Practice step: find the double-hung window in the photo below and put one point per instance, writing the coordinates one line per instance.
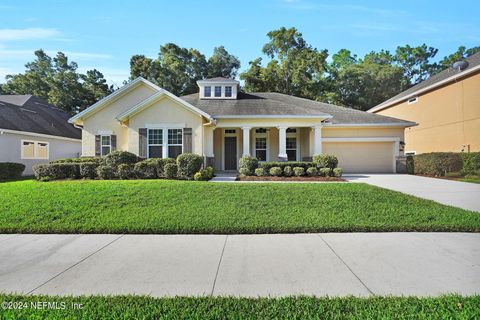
(218, 91)
(207, 91)
(105, 144)
(228, 91)
(34, 150)
(291, 144)
(163, 143)
(261, 144)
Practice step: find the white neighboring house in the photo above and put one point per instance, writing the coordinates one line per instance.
(33, 131)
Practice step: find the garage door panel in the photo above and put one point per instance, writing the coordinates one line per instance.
(362, 157)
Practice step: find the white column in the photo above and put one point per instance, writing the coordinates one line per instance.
(208, 152)
(282, 144)
(317, 140)
(246, 141)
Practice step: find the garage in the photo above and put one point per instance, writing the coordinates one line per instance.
(363, 157)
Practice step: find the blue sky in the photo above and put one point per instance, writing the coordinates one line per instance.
(105, 34)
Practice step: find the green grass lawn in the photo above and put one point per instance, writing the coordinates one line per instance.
(472, 179)
(162, 206)
(138, 307)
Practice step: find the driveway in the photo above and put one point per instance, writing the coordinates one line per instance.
(453, 193)
(334, 264)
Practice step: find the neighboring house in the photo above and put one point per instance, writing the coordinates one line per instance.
(33, 132)
(446, 107)
(222, 124)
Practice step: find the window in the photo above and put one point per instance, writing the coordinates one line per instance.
(228, 91)
(218, 91)
(207, 91)
(34, 150)
(175, 145)
(164, 143)
(261, 144)
(155, 143)
(291, 144)
(232, 131)
(413, 100)
(105, 145)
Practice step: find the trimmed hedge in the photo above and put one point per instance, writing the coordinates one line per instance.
(268, 165)
(471, 163)
(11, 170)
(188, 164)
(125, 171)
(204, 174)
(249, 163)
(260, 172)
(275, 171)
(325, 161)
(56, 171)
(146, 169)
(171, 171)
(325, 172)
(105, 172)
(312, 172)
(78, 160)
(437, 163)
(299, 171)
(88, 170)
(117, 158)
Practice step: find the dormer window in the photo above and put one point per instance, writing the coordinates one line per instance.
(218, 91)
(207, 91)
(228, 91)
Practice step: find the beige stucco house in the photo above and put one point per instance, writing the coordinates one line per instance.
(446, 108)
(222, 124)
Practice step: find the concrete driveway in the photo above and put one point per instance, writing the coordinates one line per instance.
(335, 264)
(453, 193)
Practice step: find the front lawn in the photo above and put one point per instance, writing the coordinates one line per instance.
(138, 307)
(163, 206)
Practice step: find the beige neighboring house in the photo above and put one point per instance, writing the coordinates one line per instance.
(446, 107)
(33, 131)
(222, 124)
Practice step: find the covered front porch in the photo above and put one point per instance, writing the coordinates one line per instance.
(266, 143)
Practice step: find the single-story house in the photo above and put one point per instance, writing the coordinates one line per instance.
(446, 107)
(33, 131)
(222, 124)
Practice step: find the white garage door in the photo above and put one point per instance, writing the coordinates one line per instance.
(362, 157)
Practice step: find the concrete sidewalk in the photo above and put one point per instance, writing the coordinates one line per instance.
(334, 264)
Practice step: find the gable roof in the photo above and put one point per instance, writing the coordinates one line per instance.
(433, 82)
(32, 114)
(103, 102)
(278, 104)
(217, 79)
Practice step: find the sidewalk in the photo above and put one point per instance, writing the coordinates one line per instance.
(359, 264)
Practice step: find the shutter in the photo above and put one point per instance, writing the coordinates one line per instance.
(97, 146)
(113, 141)
(187, 140)
(142, 143)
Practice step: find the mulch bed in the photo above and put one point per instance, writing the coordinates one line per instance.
(269, 178)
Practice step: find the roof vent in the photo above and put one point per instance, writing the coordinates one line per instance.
(460, 65)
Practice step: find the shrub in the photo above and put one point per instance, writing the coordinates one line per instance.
(312, 172)
(287, 171)
(125, 171)
(204, 174)
(118, 157)
(249, 163)
(56, 171)
(275, 171)
(410, 165)
(324, 172)
(146, 169)
(325, 161)
(268, 165)
(160, 164)
(437, 163)
(105, 172)
(188, 164)
(88, 170)
(198, 176)
(78, 160)
(245, 172)
(171, 171)
(11, 170)
(471, 162)
(260, 172)
(299, 171)
(338, 172)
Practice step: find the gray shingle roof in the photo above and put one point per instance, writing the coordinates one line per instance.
(473, 61)
(219, 79)
(272, 103)
(32, 114)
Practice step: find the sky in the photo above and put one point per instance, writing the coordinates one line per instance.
(104, 34)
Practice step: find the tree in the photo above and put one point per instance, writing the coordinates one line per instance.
(415, 62)
(461, 54)
(295, 67)
(222, 64)
(58, 82)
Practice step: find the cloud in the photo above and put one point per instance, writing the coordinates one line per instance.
(28, 34)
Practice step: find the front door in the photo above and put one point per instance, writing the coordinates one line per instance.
(230, 153)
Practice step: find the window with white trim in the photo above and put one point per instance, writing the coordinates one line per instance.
(105, 144)
(155, 143)
(228, 91)
(218, 91)
(291, 144)
(207, 91)
(175, 142)
(34, 150)
(261, 144)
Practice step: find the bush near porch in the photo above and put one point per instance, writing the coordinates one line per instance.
(124, 165)
(324, 165)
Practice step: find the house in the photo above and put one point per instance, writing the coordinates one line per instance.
(33, 131)
(222, 124)
(446, 108)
